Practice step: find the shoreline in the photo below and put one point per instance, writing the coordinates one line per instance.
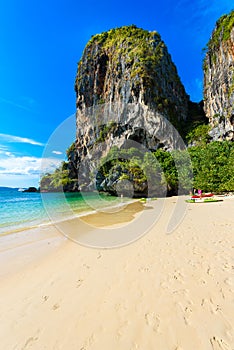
(44, 236)
(48, 221)
(164, 291)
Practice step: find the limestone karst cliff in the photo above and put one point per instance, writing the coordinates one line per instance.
(219, 79)
(130, 65)
(127, 88)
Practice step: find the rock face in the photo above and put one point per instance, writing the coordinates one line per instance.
(127, 89)
(130, 65)
(219, 79)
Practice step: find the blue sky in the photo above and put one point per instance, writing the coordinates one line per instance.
(41, 43)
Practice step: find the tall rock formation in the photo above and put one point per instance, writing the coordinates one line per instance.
(127, 88)
(130, 65)
(219, 79)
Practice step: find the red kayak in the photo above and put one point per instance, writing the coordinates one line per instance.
(202, 196)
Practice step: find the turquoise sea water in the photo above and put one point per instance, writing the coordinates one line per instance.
(20, 210)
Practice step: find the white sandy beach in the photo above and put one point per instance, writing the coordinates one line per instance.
(162, 292)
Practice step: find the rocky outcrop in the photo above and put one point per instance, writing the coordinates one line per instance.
(31, 189)
(219, 79)
(128, 90)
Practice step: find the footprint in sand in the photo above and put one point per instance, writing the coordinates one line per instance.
(186, 312)
(89, 341)
(213, 307)
(79, 283)
(178, 276)
(210, 305)
(208, 271)
(56, 306)
(153, 321)
(122, 329)
(202, 281)
(222, 293)
(229, 267)
(219, 344)
(229, 281)
(86, 266)
(29, 342)
(144, 269)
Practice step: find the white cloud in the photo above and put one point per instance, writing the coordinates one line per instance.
(3, 148)
(18, 139)
(8, 154)
(25, 171)
(57, 152)
(4, 151)
(29, 166)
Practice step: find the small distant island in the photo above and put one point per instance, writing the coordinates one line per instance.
(31, 189)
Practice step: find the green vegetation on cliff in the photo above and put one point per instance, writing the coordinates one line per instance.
(212, 170)
(222, 31)
(56, 181)
(199, 135)
(128, 65)
(140, 48)
(218, 86)
(213, 166)
(129, 61)
(136, 44)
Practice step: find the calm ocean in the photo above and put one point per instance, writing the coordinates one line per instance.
(20, 210)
